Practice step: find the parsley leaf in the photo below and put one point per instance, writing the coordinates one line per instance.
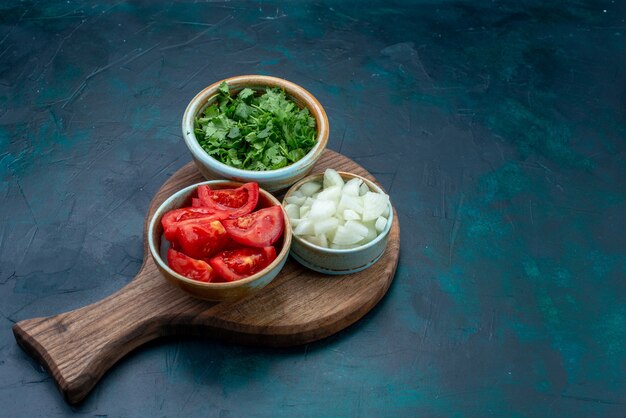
(255, 131)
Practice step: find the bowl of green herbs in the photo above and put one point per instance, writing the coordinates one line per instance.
(255, 128)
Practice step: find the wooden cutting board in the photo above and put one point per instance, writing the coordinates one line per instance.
(298, 307)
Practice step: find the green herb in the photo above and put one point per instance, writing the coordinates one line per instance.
(255, 132)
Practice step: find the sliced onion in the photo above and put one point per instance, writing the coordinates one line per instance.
(332, 193)
(371, 234)
(356, 227)
(304, 211)
(319, 240)
(325, 226)
(336, 214)
(332, 178)
(343, 236)
(350, 215)
(322, 209)
(381, 223)
(351, 202)
(371, 231)
(293, 210)
(296, 200)
(374, 205)
(310, 188)
(305, 227)
(352, 187)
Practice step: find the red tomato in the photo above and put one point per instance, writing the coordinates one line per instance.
(173, 218)
(234, 202)
(200, 238)
(191, 268)
(257, 229)
(196, 203)
(237, 264)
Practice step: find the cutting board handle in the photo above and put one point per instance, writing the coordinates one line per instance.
(79, 346)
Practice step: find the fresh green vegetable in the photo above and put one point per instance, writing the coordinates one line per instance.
(255, 132)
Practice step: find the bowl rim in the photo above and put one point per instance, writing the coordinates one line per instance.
(373, 186)
(158, 215)
(294, 90)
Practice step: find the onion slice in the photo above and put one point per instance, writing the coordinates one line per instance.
(337, 214)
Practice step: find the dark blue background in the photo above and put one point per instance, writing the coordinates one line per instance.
(498, 128)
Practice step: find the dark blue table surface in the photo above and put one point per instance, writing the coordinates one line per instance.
(498, 129)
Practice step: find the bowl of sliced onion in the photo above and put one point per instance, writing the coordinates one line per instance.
(340, 222)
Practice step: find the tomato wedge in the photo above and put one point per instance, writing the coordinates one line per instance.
(173, 218)
(257, 229)
(238, 264)
(233, 202)
(200, 238)
(189, 267)
(196, 203)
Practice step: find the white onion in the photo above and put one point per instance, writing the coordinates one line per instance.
(371, 234)
(338, 214)
(309, 188)
(350, 215)
(343, 236)
(323, 241)
(319, 240)
(324, 226)
(322, 209)
(374, 205)
(352, 187)
(381, 223)
(333, 194)
(293, 210)
(332, 178)
(356, 227)
(305, 227)
(296, 200)
(351, 202)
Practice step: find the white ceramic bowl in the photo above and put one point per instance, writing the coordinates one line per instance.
(216, 291)
(272, 180)
(332, 261)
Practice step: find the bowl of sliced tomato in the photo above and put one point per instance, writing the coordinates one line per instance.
(220, 240)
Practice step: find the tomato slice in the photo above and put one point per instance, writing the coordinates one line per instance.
(234, 202)
(200, 238)
(238, 264)
(173, 218)
(189, 267)
(196, 203)
(257, 229)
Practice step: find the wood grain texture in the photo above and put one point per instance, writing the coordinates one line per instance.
(298, 307)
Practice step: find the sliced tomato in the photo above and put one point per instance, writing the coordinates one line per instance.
(200, 238)
(234, 202)
(257, 229)
(189, 267)
(196, 203)
(173, 218)
(238, 264)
